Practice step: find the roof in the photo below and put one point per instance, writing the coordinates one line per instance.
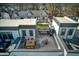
(14, 23)
(34, 12)
(65, 21)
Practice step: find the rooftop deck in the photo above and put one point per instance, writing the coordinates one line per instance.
(51, 46)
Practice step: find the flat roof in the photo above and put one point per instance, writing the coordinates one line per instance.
(17, 22)
(51, 46)
(65, 22)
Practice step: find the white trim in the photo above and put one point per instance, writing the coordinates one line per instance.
(66, 36)
(27, 33)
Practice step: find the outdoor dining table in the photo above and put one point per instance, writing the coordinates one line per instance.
(30, 43)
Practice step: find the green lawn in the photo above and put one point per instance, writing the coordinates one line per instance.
(42, 26)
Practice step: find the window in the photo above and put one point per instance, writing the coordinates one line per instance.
(63, 31)
(23, 33)
(70, 32)
(10, 36)
(6, 35)
(0, 14)
(31, 32)
(0, 36)
(34, 17)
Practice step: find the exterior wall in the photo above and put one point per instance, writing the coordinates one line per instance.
(78, 26)
(56, 26)
(58, 30)
(14, 33)
(27, 33)
(4, 54)
(67, 29)
(36, 53)
(73, 53)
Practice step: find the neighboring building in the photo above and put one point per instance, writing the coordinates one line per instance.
(40, 15)
(17, 28)
(65, 27)
(15, 15)
(5, 15)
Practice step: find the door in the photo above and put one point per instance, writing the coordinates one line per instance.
(23, 32)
